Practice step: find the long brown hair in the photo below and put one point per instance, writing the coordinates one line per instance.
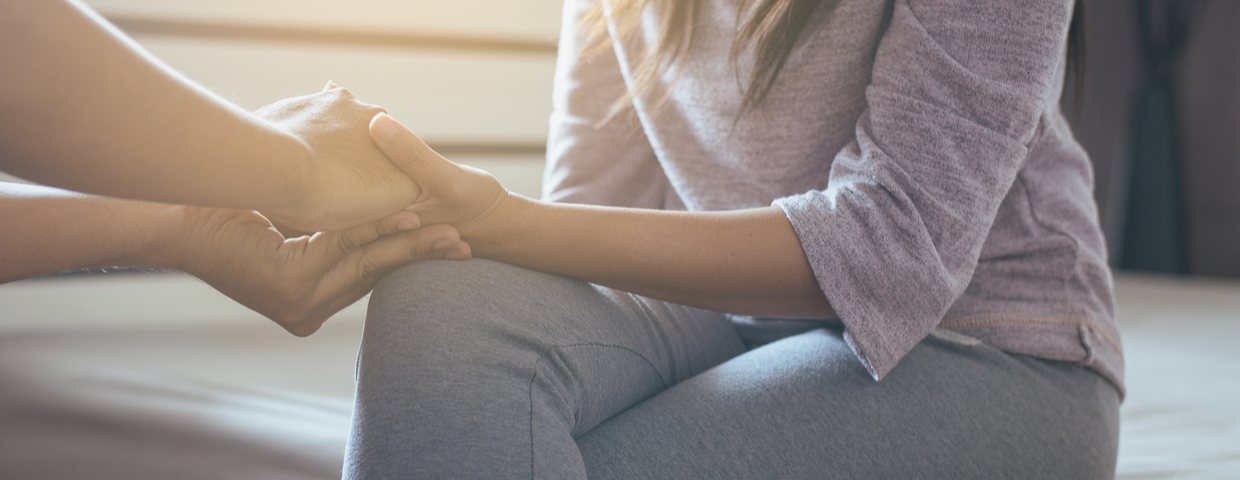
(772, 28)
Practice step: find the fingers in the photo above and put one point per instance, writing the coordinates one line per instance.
(404, 149)
(342, 242)
(287, 231)
(356, 274)
(460, 251)
(345, 94)
(380, 256)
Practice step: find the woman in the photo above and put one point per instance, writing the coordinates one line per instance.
(901, 166)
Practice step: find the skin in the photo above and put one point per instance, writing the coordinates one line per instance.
(90, 111)
(745, 261)
(297, 282)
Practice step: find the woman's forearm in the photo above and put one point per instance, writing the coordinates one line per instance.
(84, 108)
(48, 230)
(297, 282)
(745, 262)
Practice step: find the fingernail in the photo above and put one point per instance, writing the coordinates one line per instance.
(383, 127)
(442, 244)
(409, 224)
(457, 255)
(411, 208)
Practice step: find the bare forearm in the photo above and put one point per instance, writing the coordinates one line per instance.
(746, 262)
(47, 230)
(85, 109)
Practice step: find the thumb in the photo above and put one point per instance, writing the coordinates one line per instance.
(404, 149)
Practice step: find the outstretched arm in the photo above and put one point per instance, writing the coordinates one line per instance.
(297, 282)
(84, 108)
(745, 261)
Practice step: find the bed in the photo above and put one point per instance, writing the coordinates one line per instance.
(224, 395)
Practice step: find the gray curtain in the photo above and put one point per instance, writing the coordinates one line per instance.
(1206, 124)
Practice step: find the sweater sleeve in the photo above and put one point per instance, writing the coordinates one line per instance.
(955, 95)
(592, 159)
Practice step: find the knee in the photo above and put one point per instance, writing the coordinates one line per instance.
(438, 282)
(436, 291)
(450, 284)
(461, 304)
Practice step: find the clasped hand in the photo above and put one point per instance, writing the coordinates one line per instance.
(300, 280)
(361, 174)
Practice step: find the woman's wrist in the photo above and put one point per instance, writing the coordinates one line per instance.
(500, 229)
(167, 233)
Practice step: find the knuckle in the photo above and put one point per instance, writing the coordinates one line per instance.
(442, 230)
(379, 229)
(371, 109)
(367, 266)
(349, 241)
(413, 151)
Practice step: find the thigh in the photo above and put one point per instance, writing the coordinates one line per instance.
(479, 369)
(804, 407)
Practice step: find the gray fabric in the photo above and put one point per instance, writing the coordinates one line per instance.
(479, 369)
(916, 146)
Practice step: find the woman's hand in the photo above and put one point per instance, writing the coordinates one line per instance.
(350, 179)
(300, 282)
(465, 197)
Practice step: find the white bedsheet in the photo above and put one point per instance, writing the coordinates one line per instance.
(1181, 418)
(246, 400)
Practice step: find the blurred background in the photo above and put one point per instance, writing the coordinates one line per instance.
(1158, 110)
(1159, 114)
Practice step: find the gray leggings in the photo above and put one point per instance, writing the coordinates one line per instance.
(479, 369)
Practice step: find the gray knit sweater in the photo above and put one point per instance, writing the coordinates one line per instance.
(916, 146)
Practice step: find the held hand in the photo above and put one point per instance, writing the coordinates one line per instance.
(465, 197)
(351, 181)
(300, 282)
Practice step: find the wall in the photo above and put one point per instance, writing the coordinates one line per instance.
(472, 77)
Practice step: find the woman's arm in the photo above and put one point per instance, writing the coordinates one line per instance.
(297, 282)
(83, 107)
(747, 261)
(47, 230)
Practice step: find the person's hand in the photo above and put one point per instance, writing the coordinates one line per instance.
(300, 282)
(465, 197)
(351, 181)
